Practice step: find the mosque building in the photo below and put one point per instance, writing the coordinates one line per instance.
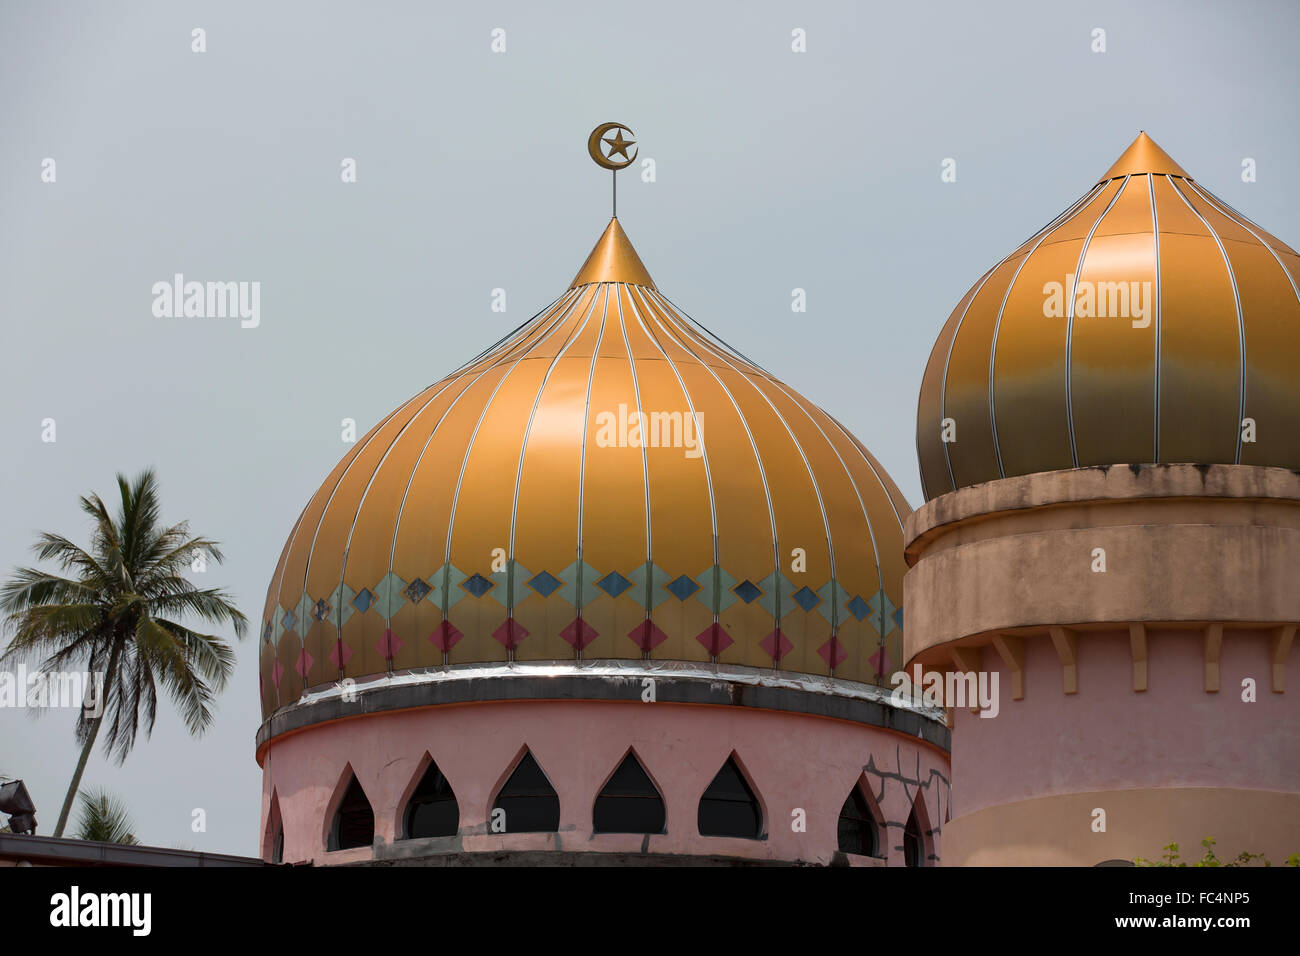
(611, 593)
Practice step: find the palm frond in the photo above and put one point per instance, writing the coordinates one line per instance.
(170, 661)
(104, 818)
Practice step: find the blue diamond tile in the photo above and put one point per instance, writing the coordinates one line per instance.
(266, 633)
(613, 584)
(682, 587)
(898, 618)
(806, 598)
(747, 591)
(416, 590)
(859, 608)
(289, 620)
(321, 608)
(544, 583)
(365, 597)
(477, 585)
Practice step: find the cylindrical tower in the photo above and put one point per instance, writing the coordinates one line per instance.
(608, 592)
(1108, 429)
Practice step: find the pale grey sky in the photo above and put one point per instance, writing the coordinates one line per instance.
(775, 170)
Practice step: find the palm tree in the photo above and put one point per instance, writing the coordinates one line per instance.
(104, 818)
(115, 609)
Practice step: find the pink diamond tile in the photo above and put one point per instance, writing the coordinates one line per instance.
(510, 634)
(277, 671)
(389, 644)
(647, 636)
(340, 655)
(777, 645)
(715, 639)
(303, 664)
(880, 661)
(579, 633)
(833, 652)
(445, 636)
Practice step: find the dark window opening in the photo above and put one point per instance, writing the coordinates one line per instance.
(629, 802)
(913, 842)
(277, 846)
(432, 810)
(857, 827)
(530, 803)
(354, 821)
(729, 807)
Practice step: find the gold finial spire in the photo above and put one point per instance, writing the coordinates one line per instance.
(613, 260)
(1144, 156)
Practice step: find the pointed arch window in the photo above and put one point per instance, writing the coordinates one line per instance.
(858, 830)
(530, 803)
(432, 810)
(354, 820)
(913, 840)
(729, 807)
(274, 846)
(629, 802)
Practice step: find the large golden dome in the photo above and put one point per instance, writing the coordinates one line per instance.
(512, 511)
(1144, 324)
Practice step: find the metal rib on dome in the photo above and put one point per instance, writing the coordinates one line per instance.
(509, 513)
(1144, 324)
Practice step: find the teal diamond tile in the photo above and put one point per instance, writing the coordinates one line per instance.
(770, 585)
(877, 599)
(341, 605)
(277, 624)
(832, 606)
(724, 596)
(569, 589)
(303, 613)
(518, 576)
(658, 578)
(447, 578)
(389, 596)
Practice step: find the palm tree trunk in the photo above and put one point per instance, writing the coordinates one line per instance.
(76, 778)
(109, 676)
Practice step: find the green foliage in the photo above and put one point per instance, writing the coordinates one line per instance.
(104, 818)
(1172, 857)
(115, 609)
(119, 602)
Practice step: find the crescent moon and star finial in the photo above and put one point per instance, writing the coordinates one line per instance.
(617, 146)
(607, 158)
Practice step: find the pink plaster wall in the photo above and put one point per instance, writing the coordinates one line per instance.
(1109, 737)
(793, 761)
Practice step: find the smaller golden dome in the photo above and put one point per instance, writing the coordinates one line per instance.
(1149, 322)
